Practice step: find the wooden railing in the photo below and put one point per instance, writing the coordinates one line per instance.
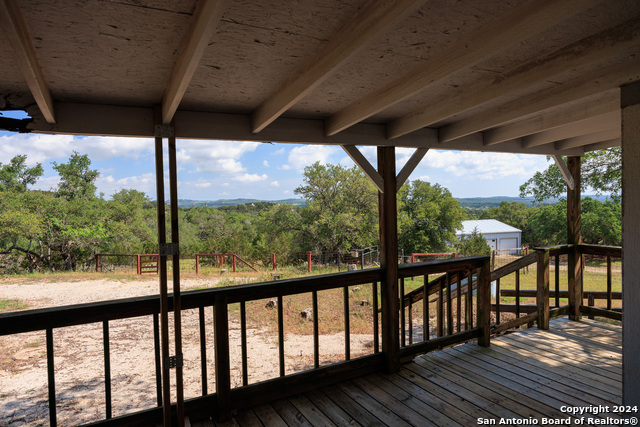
(453, 324)
(226, 398)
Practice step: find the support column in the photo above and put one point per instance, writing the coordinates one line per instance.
(162, 273)
(574, 265)
(389, 258)
(630, 103)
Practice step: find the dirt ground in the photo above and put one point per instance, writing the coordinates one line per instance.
(79, 360)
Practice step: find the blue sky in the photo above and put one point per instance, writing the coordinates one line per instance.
(212, 170)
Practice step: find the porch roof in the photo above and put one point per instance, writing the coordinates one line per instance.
(521, 76)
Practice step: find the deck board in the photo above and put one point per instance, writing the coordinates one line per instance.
(525, 374)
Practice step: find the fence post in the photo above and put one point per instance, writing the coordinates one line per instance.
(309, 262)
(542, 295)
(484, 304)
(138, 269)
(234, 263)
(97, 263)
(273, 261)
(197, 264)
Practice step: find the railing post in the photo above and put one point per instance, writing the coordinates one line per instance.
(389, 260)
(234, 262)
(222, 363)
(542, 295)
(484, 303)
(97, 263)
(574, 267)
(309, 262)
(197, 264)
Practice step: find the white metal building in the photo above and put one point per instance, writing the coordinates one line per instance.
(498, 235)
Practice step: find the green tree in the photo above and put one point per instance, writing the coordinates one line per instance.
(601, 170)
(428, 217)
(341, 211)
(77, 181)
(601, 223)
(473, 244)
(16, 176)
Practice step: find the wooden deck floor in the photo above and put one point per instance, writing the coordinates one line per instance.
(526, 374)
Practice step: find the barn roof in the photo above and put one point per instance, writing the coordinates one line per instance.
(486, 226)
(537, 76)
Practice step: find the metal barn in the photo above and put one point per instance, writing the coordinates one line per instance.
(499, 236)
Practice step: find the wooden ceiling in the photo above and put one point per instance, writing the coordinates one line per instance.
(509, 76)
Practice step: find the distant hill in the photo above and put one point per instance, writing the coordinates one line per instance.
(479, 203)
(186, 203)
(491, 202)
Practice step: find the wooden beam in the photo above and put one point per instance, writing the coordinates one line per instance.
(592, 84)
(364, 164)
(603, 145)
(588, 109)
(582, 127)
(375, 18)
(203, 24)
(592, 138)
(564, 170)
(607, 44)
(119, 120)
(509, 29)
(410, 166)
(15, 28)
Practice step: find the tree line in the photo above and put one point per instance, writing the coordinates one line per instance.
(63, 229)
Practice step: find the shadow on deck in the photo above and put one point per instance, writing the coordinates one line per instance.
(527, 374)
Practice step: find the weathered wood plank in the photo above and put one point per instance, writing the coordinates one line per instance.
(351, 407)
(528, 406)
(436, 411)
(290, 414)
(569, 374)
(519, 380)
(269, 416)
(381, 391)
(553, 384)
(465, 400)
(310, 411)
(377, 409)
(330, 409)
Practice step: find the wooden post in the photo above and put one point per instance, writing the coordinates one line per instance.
(197, 264)
(309, 264)
(162, 273)
(177, 299)
(542, 295)
(234, 263)
(389, 258)
(630, 103)
(484, 303)
(97, 263)
(573, 238)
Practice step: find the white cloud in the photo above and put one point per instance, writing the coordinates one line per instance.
(265, 163)
(275, 184)
(145, 183)
(250, 177)
(482, 165)
(306, 155)
(214, 156)
(202, 184)
(43, 148)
